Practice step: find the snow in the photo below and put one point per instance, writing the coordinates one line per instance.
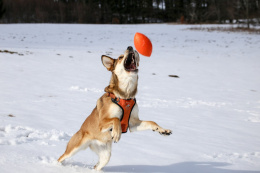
(52, 84)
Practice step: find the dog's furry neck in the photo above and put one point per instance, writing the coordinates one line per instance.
(124, 87)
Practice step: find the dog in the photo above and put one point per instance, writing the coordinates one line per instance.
(116, 111)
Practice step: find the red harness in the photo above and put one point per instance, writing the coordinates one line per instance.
(127, 107)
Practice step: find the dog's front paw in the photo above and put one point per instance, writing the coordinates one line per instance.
(116, 135)
(165, 132)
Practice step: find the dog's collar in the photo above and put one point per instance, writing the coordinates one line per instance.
(117, 99)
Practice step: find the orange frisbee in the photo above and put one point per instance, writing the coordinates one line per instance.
(143, 44)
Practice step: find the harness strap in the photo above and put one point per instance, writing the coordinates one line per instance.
(126, 106)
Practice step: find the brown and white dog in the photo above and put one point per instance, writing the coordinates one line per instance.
(103, 125)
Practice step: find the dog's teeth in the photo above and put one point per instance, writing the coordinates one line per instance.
(133, 60)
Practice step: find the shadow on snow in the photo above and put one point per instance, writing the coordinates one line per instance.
(189, 167)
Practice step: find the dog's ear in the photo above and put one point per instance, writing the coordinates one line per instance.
(108, 62)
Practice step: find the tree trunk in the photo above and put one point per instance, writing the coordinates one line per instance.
(247, 17)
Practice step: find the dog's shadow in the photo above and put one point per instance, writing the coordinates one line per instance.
(184, 167)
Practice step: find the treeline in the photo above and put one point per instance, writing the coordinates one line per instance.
(127, 11)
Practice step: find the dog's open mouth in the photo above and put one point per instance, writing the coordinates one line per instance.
(130, 63)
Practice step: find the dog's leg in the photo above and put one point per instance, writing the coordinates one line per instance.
(114, 125)
(135, 124)
(139, 125)
(77, 142)
(104, 152)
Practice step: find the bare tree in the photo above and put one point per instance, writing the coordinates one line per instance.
(128, 11)
(2, 9)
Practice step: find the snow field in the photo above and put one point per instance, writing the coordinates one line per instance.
(213, 107)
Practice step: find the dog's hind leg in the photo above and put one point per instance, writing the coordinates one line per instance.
(77, 142)
(104, 153)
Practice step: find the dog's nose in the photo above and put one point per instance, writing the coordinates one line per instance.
(130, 48)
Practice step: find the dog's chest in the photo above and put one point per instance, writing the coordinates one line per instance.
(115, 111)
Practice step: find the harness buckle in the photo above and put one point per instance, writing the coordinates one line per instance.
(115, 100)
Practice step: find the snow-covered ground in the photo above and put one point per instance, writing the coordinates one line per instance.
(52, 83)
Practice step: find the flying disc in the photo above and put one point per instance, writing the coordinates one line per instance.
(143, 44)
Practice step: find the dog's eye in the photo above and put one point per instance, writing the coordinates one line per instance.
(121, 57)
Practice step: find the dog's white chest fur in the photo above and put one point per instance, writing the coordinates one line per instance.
(115, 111)
(128, 83)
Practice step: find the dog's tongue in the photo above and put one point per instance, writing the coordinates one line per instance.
(132, 66)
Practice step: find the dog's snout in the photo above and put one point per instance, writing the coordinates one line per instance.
(130, 48)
